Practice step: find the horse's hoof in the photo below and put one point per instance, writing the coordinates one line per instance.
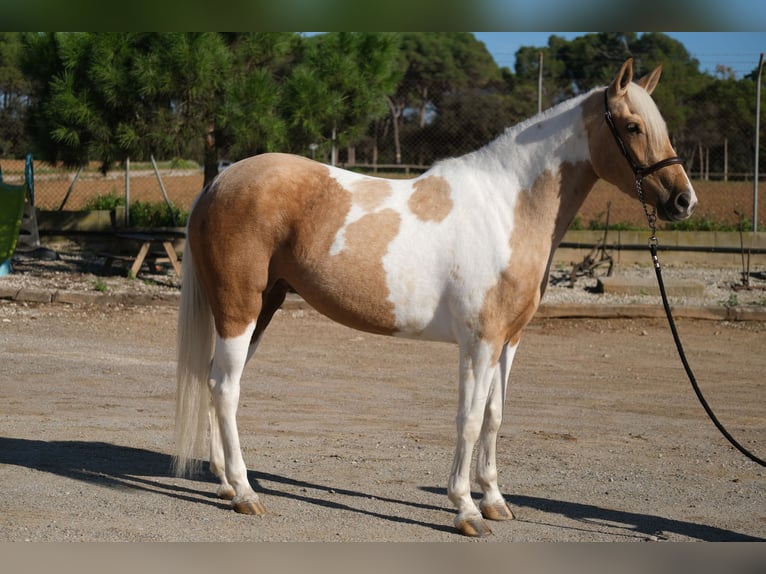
(255, 507)
(473, 526)
(497, 511)
(226, 492)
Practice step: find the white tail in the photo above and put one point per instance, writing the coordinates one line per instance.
(195, 347)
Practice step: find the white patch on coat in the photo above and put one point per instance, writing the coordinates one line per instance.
(428, 292)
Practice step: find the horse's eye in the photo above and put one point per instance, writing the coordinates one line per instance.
(633, 128)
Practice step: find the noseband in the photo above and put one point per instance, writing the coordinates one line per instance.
(639, 171)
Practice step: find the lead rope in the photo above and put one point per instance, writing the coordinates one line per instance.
(651, 217)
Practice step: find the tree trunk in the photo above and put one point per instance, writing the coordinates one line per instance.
(211, 156)
(423, 105)
(395, 122)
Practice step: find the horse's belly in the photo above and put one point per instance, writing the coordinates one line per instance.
(362, 301)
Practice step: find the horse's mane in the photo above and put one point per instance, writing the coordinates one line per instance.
(640, 101)
(654, 124)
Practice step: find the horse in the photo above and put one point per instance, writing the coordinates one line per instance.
(459, 254)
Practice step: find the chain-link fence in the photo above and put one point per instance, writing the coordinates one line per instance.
(77, 189)
(725, 163)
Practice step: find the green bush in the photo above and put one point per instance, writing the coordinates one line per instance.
(142, 213)
(180, 163)
(598, 225)
(692, 224)
(107, 202)
(576, 224)
(705, 224)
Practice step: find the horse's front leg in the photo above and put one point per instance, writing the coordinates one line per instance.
(493, 505)
(228, 363)
(476, 374)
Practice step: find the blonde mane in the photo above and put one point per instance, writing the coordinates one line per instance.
(643, 104)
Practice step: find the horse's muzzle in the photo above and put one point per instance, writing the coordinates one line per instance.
(679, 207)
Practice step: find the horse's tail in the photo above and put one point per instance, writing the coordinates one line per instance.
(195, 347)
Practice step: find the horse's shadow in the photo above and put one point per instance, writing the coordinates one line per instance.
(116, 466)
(125, 467)
(632, 523)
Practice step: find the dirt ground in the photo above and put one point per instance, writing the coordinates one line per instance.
(350, 436)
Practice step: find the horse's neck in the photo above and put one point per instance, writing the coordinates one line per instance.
(544, 162)
(544, 141)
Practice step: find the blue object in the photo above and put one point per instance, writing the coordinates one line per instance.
(5, 267)
(12, 199)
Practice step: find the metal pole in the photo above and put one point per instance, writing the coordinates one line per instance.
(164, 192)
(127, 192)
(71, 188)
(539, 82)
(333, 151)
(757, 130)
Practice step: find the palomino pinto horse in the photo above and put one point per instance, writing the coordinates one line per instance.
(459, 254)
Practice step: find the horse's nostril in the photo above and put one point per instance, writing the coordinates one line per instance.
(683, 201)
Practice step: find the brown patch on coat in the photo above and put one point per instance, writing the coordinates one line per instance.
(350, 286)
(369, 194)
(542, 215)
(431, 199)
(274, 217)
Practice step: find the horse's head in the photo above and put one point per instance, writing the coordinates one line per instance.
(630, 147)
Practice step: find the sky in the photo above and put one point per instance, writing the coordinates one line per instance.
(738, 50)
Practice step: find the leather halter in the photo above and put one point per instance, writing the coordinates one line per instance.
(639, 171)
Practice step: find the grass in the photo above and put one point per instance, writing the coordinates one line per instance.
(691, 224)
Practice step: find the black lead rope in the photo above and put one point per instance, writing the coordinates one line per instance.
(687, 368)
(651, 216)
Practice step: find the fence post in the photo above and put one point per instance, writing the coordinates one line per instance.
(757, 129)
(127, 192)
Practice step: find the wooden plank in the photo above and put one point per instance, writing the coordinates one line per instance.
(140, 258)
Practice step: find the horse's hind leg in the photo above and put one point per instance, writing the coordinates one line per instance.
(228, 364)
(217, 461)
(493, 505)
(272, 300)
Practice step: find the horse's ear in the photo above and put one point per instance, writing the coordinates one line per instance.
(650, 81)
(623, 79)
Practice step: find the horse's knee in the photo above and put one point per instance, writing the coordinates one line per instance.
(469, 426)
(493, 417)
